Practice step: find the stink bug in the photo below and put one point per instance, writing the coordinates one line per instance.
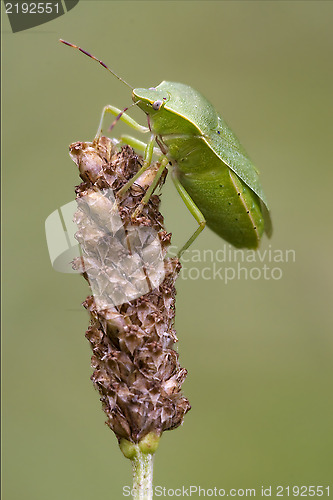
(211, 170)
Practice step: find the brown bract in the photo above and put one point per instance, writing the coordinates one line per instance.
(136, 369)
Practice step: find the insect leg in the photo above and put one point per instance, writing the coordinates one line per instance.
(146, 164)
(123, 117)
(136, 144)
(151, 188)
(133, 142)
(194, 211)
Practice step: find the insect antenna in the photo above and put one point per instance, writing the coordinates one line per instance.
(98, 60)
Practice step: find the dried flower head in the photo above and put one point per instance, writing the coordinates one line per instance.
(132, 306)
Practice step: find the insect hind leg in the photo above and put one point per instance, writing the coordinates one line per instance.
(194, 211)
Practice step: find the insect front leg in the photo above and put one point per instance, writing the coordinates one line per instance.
(133, 142)
(146, 164)
(194, 211)
(120, 115)
(136, 144)
(151, 188)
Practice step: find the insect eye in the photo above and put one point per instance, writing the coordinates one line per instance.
(157, 105)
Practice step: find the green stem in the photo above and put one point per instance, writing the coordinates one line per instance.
(141, 456)
(142, 476)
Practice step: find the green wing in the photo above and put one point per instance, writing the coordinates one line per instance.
(227, 147)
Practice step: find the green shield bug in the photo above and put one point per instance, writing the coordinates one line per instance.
(211, 170)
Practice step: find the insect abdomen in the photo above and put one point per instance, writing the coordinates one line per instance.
(230, 208)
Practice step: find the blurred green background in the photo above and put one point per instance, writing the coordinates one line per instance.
(258, 352)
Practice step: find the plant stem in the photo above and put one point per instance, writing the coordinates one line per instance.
(143, 476)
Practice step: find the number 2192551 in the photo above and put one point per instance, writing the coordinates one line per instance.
(32, 8)
(302, 491)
